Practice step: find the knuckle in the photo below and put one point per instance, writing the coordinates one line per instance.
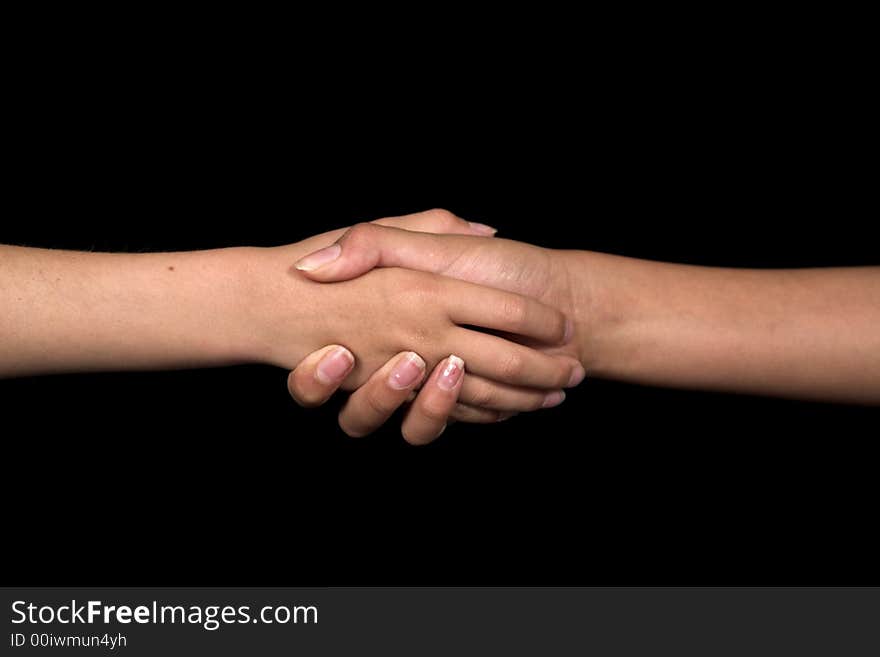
(444, 217)
(360, 233)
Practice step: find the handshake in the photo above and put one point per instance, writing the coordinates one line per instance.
(434, 311)
(437, 312)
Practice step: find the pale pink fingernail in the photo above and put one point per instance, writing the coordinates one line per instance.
(319, 258)
(407, 372)
(578, 374)
(569, 331)
(555, 398)
(451, 374)
(482, 229)
(506, 416)
(334, 366)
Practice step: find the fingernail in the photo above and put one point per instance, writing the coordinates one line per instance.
(451, 374)
(569, 331)
(407, 372)
(506, 416)
(577, 375)
(555, 398)
(334, 366)
(482, 229)
(319, 258)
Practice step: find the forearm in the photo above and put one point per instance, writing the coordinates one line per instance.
(810, 333)
(70, 311)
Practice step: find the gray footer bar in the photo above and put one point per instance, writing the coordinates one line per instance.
(443, 621)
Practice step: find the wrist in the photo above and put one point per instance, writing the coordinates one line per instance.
(233, 323)
(599, 308)
(278, 308)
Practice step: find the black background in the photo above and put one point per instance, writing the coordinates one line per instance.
(740, 149)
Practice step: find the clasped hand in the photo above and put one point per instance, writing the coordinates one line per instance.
(485, 322)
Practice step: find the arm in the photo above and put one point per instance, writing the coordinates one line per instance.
(808, 333)
(71, 311)
(67, 311)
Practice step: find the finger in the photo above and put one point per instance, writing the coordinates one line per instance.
(370, 406)
(437, 221)
(472, 415)
(505, 311)
(319, 374)
(500, 360)
(479, 392)
(366, 246)
(433, 221)
(429, 413)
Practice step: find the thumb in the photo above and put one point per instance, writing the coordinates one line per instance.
(366, 246)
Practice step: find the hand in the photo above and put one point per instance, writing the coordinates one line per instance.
(430, 221)
(520, 267)
(477, 387)
(320, 374)
(68, 311)
(371, 405)
(807, 334)
(396, 308)
(539, 273)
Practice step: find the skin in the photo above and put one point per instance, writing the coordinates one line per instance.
(68, 311)
(394, 308)
(808, 334)
(321, 373)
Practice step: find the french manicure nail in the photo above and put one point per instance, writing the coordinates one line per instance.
(578, 374)
(555, 398)
(407, 372)
(451, 374)
(319, 258)
(334, 366)
(482, 229)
